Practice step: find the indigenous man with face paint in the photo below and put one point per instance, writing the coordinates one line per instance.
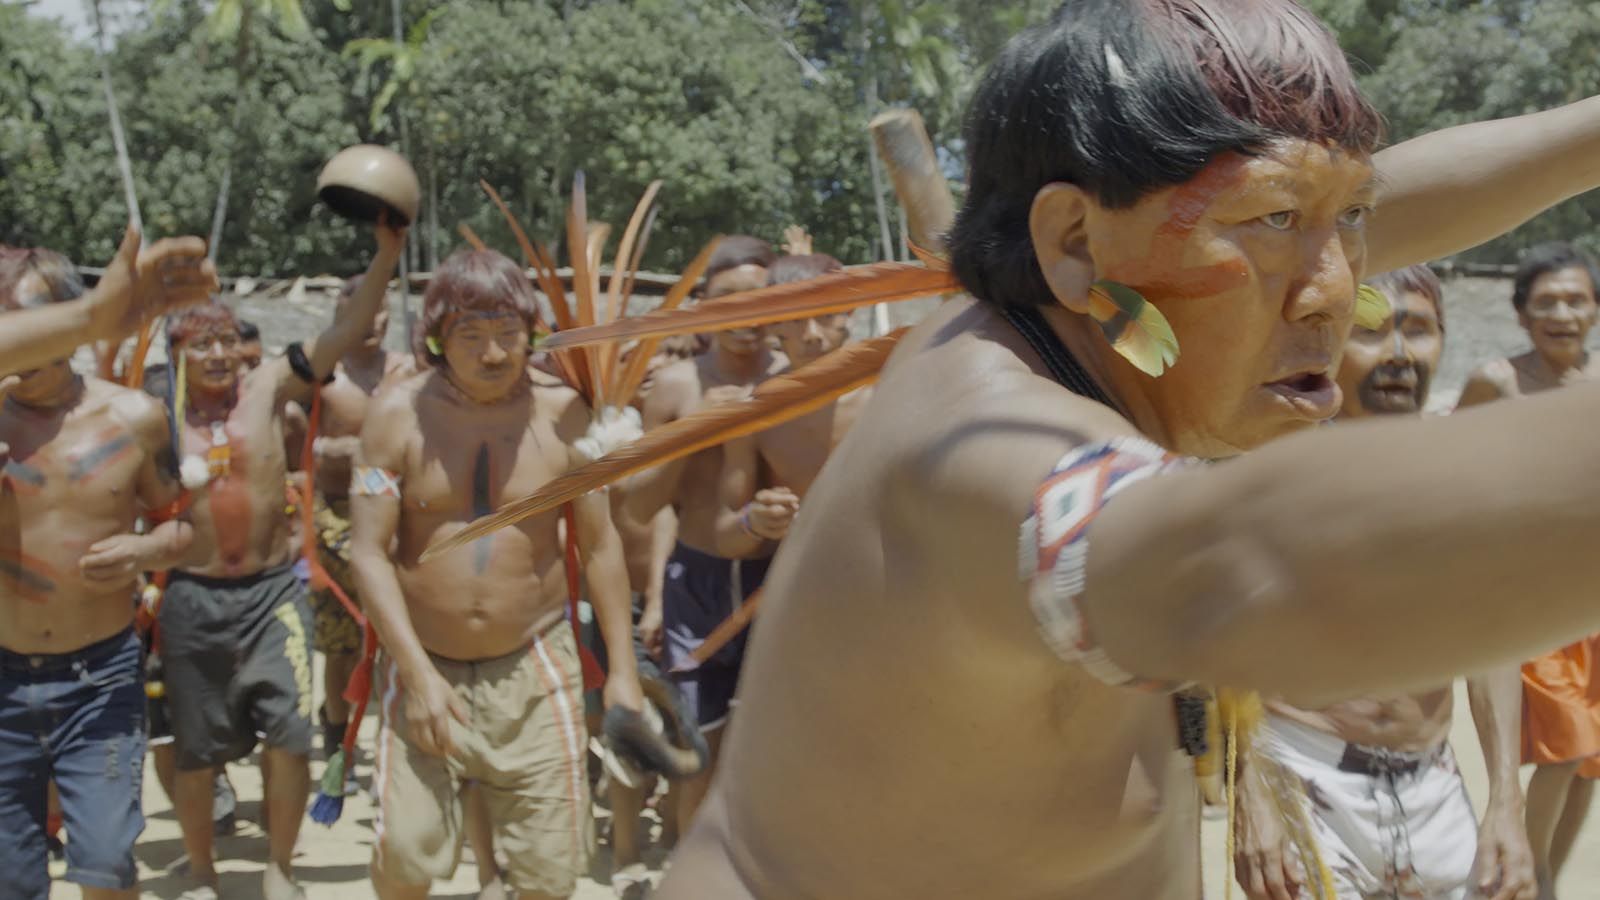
(790, 455)
(235, 625)
(963, 681)
(1553, 294)
(86, 459)
(481, 679)
(1391, 812)
(702, 587)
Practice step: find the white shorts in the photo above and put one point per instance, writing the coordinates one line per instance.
(1409, 836)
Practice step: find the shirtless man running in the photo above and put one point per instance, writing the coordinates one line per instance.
(961, 683)
(86, 459)
(481, 680)
(1392, 814)
(235, 625)
(1554, 297)
(702, 587)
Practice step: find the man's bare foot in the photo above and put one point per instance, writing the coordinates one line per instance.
(277, 885)
(494, 890)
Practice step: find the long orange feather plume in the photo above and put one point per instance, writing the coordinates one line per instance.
(639, 361)
(535, 256)
(780, 399)
(834, 293)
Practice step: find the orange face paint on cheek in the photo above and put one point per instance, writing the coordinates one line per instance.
(1161, 273)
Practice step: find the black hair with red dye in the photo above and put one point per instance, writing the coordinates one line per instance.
(484, 282)
(1126, 97)
(206, 318)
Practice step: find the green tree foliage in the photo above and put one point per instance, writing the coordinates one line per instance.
(752, 112)
(1430, 65)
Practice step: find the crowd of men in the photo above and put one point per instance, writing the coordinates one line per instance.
(483, 734)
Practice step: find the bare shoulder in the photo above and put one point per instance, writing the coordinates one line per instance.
(141, 413)
(675, 387)
(394, 409)
(1493, 380)
(563, 407)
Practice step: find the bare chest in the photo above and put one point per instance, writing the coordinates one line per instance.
(461, 471)
(90, 466)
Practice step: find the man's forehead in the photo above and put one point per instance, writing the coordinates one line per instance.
(481, 318)
(1572, 279)
(1301, 167)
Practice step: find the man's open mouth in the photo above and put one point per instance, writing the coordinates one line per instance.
(1312, 394)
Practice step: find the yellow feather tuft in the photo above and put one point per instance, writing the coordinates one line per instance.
(1372, 307)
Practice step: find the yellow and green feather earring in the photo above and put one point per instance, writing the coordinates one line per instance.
(1135, 328)
(1372, 307)
(432, 343)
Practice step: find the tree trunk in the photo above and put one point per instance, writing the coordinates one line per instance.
(398, 22)
(118, 139)
(241, 75)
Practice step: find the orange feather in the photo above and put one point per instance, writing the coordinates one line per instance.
(471, 237)
(777, 400)
(621, 272)
(578, 240)
(835, 293)
(639, 361)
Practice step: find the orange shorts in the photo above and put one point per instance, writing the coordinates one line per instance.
(1561, 706)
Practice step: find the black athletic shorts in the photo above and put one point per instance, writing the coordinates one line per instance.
(237, 659)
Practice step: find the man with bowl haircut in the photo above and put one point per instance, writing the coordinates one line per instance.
(1391, 813)
(481, 679)
(235, 626)
(1553, 294)
(1009, 567)
(85, 459)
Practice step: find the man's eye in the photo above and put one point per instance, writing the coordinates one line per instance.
(1282, 220)
(1355, 216)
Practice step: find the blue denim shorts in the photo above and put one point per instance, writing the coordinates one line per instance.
(76, 719)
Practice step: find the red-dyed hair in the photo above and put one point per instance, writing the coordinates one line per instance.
(479, 281)
(202, 319)
(1126, 97)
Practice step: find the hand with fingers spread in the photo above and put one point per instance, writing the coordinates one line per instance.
(1264, 864)
(797, 241)
(140, 284)
(430, 704)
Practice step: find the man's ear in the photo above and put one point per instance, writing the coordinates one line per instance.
(1057, 223)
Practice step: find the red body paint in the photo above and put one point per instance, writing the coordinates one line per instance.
(1161, 274)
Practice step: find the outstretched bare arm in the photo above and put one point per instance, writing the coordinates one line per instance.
(1453, 189)
(137, 286)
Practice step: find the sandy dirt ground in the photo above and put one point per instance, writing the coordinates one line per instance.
(332, 862)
